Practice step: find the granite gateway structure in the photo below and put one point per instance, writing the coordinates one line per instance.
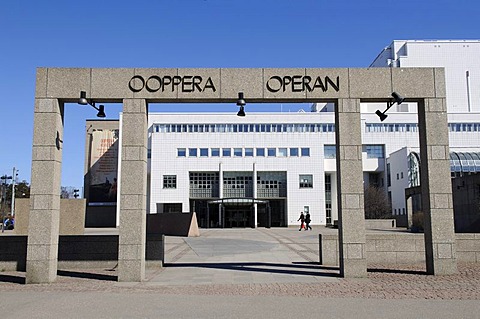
(136, 88)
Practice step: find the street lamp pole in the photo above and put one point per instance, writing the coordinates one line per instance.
(14, 175)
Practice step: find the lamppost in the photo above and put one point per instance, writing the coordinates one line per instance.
(14, 179)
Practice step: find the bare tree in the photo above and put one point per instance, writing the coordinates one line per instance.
(376, 203)
(66, 192)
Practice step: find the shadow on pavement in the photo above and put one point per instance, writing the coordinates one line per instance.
(397, 271)
(12, 279)
(318, 266)
(86, 275)
(310, 269)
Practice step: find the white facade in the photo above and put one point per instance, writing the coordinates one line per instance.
(278, 133)
(170, 171)
(458, 57)
(462, 79)
(282, 132)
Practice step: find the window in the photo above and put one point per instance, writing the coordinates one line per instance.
(203, 152)
(172, 207)
(294, 151)
(237, 152)
(215, 152)
(328, 198)
(249, 152)
(306, 181)
(169, 181)
(402, 107)
(282, 152)
(330, 151)
(260, 152)
(226, 152)
(374, 151)
(272, 152)
(305, 151)
(181, 152)
(204, 184)
(192, 152)
(389, 178)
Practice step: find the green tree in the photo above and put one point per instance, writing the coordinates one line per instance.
(22, 190)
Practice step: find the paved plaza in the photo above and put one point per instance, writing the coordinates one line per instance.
(247, 273)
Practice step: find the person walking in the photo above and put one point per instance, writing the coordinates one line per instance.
(302, 221)
(307, 221)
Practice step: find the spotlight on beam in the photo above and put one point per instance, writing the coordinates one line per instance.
(84, 101)
(397, 98)
(241, 102)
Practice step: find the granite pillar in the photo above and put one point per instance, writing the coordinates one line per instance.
(351, 216)
(44, 217)
(436, 187)
(133, 192)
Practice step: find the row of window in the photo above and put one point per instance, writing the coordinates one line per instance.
(244, 152)
(300, 128)
(373, 151)
(170, 181)
(394, 127)
(464, 127)
(244, 128)
(413, 127)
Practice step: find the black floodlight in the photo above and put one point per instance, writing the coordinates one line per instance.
(84, 101)
(101, 111)
(241, 112)
(381, 115)
(397, 98)
(83, 98)
(241, 102)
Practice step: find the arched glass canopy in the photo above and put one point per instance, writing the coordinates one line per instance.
(460, 163)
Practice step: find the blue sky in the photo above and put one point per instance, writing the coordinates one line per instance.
(193, 33)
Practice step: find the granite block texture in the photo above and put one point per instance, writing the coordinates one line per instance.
(413, 82)
(370, 83)
(66, 83)
(235, 80)
(41, 83)
(110, 84)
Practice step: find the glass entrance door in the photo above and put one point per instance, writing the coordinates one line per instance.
(237, 216)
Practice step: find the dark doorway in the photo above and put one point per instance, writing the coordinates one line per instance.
(238, 216)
